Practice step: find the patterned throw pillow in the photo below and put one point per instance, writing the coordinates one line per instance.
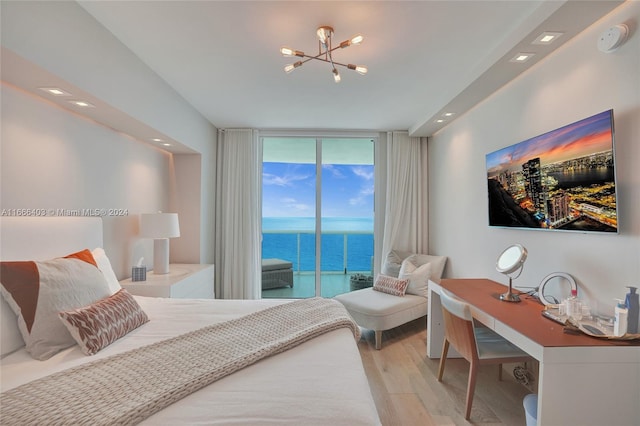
(390, 285)
(98, 325)
(37, 291)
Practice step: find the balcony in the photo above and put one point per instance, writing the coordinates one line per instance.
(344, 253)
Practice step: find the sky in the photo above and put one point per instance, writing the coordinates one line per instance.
(288, 190)
(591, 135)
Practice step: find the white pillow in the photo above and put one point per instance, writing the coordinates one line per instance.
(394, 259)
(393, 262)
(105, 267)
(418, 277)
(38, 291)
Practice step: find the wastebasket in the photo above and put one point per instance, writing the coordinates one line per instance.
(530, 403)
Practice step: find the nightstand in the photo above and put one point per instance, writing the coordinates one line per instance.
(185, 281)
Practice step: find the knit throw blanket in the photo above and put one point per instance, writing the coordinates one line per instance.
(127, 388)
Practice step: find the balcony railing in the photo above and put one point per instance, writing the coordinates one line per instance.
(342, 251)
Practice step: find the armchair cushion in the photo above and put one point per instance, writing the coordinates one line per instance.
(394, 259)
(380, 311)
(418, 277)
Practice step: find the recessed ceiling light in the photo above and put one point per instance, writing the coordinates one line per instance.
(448, 114)
(166, 144)
(440, 120)
(522, 57)
(82, 104)
(54, 91)
(547, 37)
(156, 140)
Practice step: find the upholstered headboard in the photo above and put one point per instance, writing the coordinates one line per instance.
(40, 238)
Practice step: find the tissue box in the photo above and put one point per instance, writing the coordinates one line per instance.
(139, 273)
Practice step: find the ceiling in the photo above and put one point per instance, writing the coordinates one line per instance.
(425, 58)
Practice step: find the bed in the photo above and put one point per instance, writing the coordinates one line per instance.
(321, 381)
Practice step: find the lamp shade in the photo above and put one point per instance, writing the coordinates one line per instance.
(159, 225)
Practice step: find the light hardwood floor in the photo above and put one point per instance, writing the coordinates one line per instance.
(406, 391)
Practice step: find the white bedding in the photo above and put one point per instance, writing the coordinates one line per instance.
(320, 382)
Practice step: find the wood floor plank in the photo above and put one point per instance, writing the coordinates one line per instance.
(406, 391)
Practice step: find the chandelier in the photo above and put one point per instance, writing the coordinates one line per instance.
(325, 50)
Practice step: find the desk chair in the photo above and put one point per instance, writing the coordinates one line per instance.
(478, 345)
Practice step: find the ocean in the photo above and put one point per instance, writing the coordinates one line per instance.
(281, 237)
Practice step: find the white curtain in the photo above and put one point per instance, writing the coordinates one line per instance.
(238, 214)
(405, 219)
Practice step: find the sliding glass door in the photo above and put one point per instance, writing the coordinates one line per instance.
(317, 213)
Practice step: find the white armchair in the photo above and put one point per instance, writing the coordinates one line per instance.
(379, 311)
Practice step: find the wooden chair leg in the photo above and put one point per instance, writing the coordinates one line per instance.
(471, 386)
(443, 359)
(378, 339)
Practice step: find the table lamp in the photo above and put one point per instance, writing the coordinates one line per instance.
(510, 261)
(160, 227)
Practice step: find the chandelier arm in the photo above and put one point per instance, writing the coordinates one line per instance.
(335, 48)
(323, 60)
(324, 53)
(318, 56)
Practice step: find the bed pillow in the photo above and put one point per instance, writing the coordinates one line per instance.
(418, 277)
(104, 265)
(390, 285)
(98, 325)
(37, 291)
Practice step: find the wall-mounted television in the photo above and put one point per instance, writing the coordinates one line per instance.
(561, 180)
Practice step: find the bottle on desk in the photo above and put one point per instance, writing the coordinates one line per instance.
(573, 306)
(620, 319)
(631, 302)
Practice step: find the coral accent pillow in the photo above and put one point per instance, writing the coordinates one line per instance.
(390, 285)
(37, 291)
(102, 323)
(418, 277)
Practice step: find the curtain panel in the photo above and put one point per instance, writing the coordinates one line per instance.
(238, 214)
(406, 207)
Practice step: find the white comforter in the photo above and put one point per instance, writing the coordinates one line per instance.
(320, 382)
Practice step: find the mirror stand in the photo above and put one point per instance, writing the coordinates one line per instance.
(509, 262)
(509, 296)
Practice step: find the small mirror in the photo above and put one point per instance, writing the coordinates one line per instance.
(556, 287)
(511, 260)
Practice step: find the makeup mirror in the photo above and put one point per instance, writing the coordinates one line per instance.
(509, 262)
(556, 287)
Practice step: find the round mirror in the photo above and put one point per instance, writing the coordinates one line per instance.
(556, 287)
(511, 259)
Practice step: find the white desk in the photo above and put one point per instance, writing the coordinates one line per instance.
(192, 281)
(582, 380)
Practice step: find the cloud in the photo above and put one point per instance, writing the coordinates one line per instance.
(361, 197)
(363, 172)
(286, 180)
(293, 204)
(334, 171)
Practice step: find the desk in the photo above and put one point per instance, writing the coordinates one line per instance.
(582, 380)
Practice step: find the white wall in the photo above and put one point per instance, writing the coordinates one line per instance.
(65, 40)
(575, 82)
(51, 158)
